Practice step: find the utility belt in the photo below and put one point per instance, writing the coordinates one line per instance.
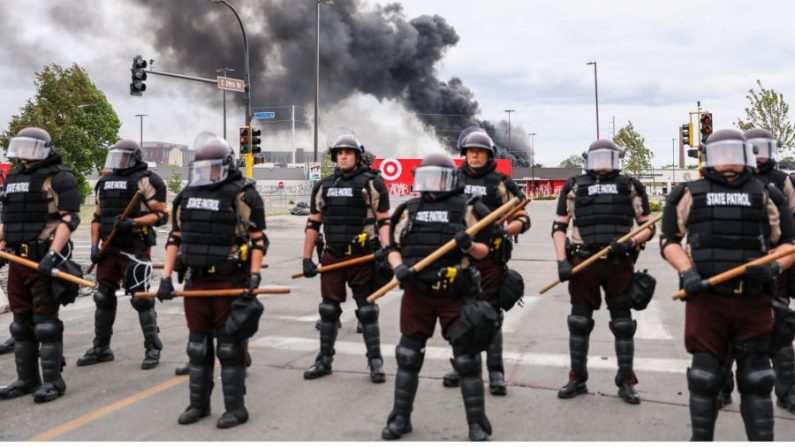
(362, 244)
(586, 251)
(224, 268)
(741, 287)
(34, 250)
(135, 238)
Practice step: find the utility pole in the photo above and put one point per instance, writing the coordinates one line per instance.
(141, 141)
(293, 126)
(224, 70)
(596, 95)
(509, 111)
(317, 69)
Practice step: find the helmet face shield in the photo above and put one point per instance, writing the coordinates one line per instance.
(119, 159)
(729, 152)
(27, 148)
(207, 172)
(603, 159)
(765, 147)
(434, 179)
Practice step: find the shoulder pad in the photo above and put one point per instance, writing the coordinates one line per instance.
(775, 195)
(676, 194)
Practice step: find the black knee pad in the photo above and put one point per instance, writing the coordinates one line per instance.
(48, 328)
(704, 376)
(329, 310)
(230, 351)
(623, 328)
(105, 298)
(580, 325)
(200, 348)
(22, 327)
(142, 305)
(467, 364)
(368, 314)
(755, 375)
(410, 353)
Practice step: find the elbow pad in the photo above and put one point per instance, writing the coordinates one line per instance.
(312, 225)
(666, 240)
(525, 223)
(96, 218)
(559, 226)
(72, 223)
(173, 240)
(261, 247)
(382, 223)
(162, 218)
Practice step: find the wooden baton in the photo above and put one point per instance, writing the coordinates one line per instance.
(55, 272)
(339, 265)
(217, 292)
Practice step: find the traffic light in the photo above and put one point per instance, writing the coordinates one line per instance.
(137, 86)
(686, 134)
(255, 141)
(245, 147)
(706, 126)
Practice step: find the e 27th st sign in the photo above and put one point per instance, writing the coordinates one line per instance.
(235, 85)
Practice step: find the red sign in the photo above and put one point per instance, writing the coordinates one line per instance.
(4, 168)
(544, 188)
(280, 185)
(235, 85)
(398, 172)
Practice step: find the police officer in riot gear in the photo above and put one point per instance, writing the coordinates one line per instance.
(352, 206)
(126, 258)
(604, 205)
(729, 218)
(420, 226)
(41, 205)
(480, 178)
(217, 242)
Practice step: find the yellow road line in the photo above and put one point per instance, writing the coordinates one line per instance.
(106, 410)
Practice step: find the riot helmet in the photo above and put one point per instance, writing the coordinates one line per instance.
(30, 143)
(476, 138)
(213, 164)
(603, 155)
(124, 154)
(728, 147)
(344, 139)
(765, 145)
(437, 173)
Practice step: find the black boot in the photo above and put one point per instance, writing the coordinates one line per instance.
(755, 381)
(368, 319)
(469, 370)
(232, 355)
(152, 343)
(7, 346)
(201, 353)
(26, 356)
(409, 354)
(103, 329)
(495, 366)
(580, 328)
(330, 314)
(624, 330)
(49, 332)
(451, 379)
(704, 379)
(183, 370)
(784, 365)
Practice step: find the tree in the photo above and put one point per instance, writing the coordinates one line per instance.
(77, 115)
(637, 157)
(769, 111)
(575, 161)
(174, 183)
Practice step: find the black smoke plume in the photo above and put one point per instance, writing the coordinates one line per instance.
(375, 50)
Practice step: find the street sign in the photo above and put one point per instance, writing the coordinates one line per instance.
(235, 85)
(314, 171)
(264, 115)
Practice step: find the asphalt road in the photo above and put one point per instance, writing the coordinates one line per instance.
(117, 401)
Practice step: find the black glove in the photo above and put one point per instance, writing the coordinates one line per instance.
(47, 263)
(692, 282)
(254, 279)
(622, 248)
(763, 274)
(123, 225)
(380, 256)
(95, 256)
(403, 273)
(463, 241)
(564, 270)
(310, 268)
(3, 262)
(166, 290)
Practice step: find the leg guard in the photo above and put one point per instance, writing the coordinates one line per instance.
(580, 328)
(49, 332)
(469, 369)
(200, 369)
(26, 355)
(152, 344)
(409, 353)
(368, 319)
(104, 315)
(232, 355)
(703, 381)
(329, 318)
(495, 365)
(784, 365)
(7, 346)
(755, 381)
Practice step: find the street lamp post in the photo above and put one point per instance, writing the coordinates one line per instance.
(596, 95)
(141, 141)
(509, 111)
(673, 162)
(224, 70)
(532, 162)
(317, 68)
(247, 76)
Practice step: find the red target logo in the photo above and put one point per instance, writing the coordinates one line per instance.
(391, 169)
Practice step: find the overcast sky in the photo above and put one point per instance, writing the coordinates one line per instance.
(655, 60)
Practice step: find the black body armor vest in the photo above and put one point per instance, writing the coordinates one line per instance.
(115, 192)
(772, 177)
(603, 209)
(727, 226)
(209, 224)
(344, 209)
(485, 186)
(431, 225)
(25, 206)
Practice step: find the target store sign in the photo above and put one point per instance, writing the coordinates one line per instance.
(398, 172)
